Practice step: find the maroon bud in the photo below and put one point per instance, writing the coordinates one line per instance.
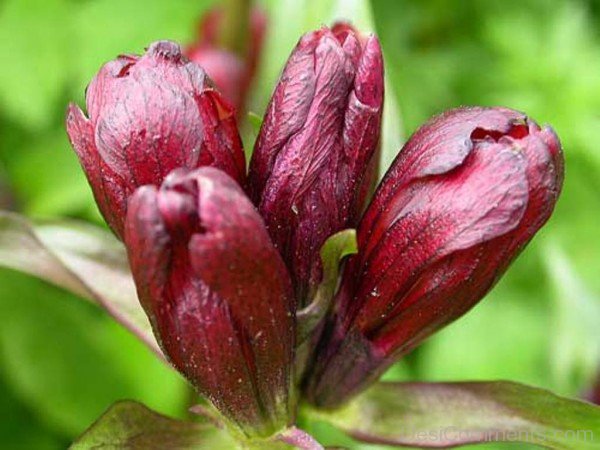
(465, 195)
(217, 293)
(314, 157)
(232, 73)
(149, 115)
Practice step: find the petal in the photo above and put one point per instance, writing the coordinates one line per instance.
(201, 258)
(108, 188)
(308, 180)
(431, 244)
(150, 128)
(286, 113)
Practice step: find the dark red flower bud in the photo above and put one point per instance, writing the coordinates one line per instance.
(217, 293)
(149, 115)
(314, 157)
(232, 73)
(465, 195)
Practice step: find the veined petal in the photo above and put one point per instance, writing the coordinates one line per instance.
(218, 294)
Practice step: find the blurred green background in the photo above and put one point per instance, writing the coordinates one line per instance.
(64, 361)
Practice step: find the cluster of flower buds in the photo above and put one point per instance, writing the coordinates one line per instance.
(222, 262)
(232, 70)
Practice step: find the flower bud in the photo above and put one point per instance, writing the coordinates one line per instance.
(232, 73)
(465, 195)
(314, 157)
(149, 115)
(217, 293)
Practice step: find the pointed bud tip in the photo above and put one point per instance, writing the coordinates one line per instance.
(369, 82)
(74, 118)
(167, 50)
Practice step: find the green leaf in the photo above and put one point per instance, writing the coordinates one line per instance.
(336, 248)
(58, 350)
(20, 429)
(256, 122)
(81, 258)
(130, 425)
(441, 415)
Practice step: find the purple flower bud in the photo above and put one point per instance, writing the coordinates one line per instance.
(465, 195)
(232, 73)
(217, 293)
(314, 157)
(149, 115)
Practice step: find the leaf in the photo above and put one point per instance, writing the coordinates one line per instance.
(58, 350)
(130, 425)
(81, 258)
(19, 430)
(442, 415)
(335, 248)
(256, 121)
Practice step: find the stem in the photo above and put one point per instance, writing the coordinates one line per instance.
(235, 26)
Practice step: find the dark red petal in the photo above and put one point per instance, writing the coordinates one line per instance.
(217, 292)
(148, 243)
(315, 148)
(149, 129)
(225, 69)
(486, 198)
(222, 146)
(362, 124)
(151, 114)
(110, 192)
(286, 113)
(100, 88)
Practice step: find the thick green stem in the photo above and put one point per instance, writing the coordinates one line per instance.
(235, 26)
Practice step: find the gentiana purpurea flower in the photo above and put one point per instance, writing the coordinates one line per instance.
(149, 115)
(233, 72)
(221, 271)
(465, 195)
(217, 293)
(315, 156)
